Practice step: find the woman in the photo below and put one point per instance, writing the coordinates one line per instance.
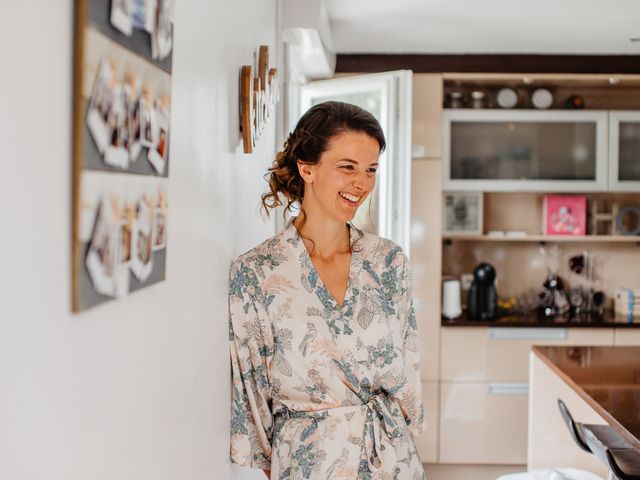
(322, 331)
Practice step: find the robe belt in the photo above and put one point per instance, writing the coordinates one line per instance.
(379, 418)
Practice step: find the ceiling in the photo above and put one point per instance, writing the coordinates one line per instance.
(576, 27)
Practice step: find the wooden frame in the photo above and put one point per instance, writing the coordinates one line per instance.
(121, 140)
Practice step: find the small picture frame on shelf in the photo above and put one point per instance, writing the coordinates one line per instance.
(462, 213)
(565, 215)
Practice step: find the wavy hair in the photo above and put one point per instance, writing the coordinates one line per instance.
(308, 141)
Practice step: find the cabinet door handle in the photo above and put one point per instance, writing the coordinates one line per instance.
(497, 333)
(508, 388)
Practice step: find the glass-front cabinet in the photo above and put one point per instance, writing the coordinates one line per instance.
(525, 150)
(624, 151)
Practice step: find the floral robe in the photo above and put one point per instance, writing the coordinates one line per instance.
(319, 390)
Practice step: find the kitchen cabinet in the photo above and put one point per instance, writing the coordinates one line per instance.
(524, 150)
(488, 354)
(483, 423)
(624, 151)
(627, 336)
(484, 389)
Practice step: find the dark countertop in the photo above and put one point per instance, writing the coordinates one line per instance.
(608, 320)
(607, 378)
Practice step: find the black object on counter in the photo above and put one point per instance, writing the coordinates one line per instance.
(553, 299)
(574, 102)
(483, 297)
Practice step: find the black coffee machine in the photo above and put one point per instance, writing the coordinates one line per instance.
(483, 297)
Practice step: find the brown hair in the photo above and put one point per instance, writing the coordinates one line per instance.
(308, 141)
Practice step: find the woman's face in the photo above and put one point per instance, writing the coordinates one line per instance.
(343, 178)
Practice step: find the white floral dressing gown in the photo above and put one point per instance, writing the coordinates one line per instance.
(319, 390)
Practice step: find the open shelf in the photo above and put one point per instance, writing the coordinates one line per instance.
(547, 238)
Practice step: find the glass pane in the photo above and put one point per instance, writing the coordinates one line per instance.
(629, 152)
(370, 101)
(367, 215)
(523, 150)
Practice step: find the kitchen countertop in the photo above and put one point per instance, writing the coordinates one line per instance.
(609, 320)
(607, 378)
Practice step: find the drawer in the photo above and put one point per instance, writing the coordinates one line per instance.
(481, 354)
(427, 442)
(483, 423)
(627, 336)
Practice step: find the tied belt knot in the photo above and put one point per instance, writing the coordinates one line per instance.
(382, 416)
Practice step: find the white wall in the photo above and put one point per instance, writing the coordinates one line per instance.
(134, 389)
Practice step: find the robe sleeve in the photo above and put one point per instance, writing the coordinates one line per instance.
(251, 417)
(410, 395)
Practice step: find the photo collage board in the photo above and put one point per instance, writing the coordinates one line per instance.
(122, 113)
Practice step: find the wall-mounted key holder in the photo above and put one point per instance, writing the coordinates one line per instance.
(259, 95)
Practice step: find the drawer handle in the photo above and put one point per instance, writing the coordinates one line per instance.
(508, 388)
(497, 333)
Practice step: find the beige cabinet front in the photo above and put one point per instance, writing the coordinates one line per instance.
(629, 337)
(483, 423)
(481, 354)
(427, 442)
(484, 394)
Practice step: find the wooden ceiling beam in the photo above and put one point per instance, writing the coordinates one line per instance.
(422, 63)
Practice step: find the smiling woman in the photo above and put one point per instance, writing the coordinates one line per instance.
(323, 335)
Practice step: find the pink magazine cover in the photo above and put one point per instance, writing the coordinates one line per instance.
(565, 215)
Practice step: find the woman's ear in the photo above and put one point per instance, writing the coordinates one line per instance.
(306, 171)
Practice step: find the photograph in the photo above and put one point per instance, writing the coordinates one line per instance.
(163, 35)
(135, 144)
(462, 213)
(160, 222)
(102, 98)
(126, 233)
(116, 152)
(138, 9)
(121, 16)
(148, 125)
(132, 112)
(157, 153)
(101, 255)
(150, 10)
(141, 255)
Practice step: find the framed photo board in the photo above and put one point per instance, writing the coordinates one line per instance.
(121, 129)
(462, 213)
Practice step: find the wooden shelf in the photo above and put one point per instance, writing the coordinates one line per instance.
(548, 238)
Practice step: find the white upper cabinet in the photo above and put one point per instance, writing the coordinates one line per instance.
(525, 150)
(624, 151)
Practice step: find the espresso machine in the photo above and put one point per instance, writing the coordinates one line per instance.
(483, 297)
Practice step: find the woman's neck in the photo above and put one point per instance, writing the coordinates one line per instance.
(325, 239)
